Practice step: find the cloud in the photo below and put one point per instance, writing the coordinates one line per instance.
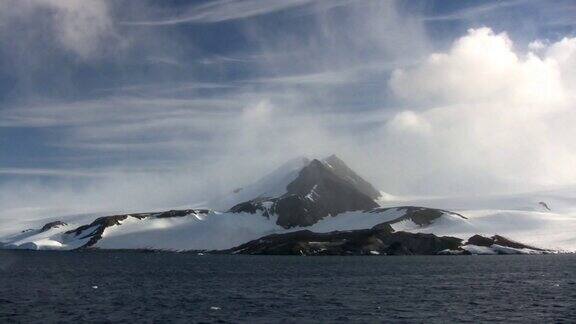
(223, 10)
(42, 172)
(184, 117)
(480, 67)
(84, 28)
(478, 10)
(563, 53)
(488, 117)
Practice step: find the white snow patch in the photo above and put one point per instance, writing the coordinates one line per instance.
(475, 249)
(516, 217)
(405, 225)
(508, 250)
(271, 185)
(312, 194)
(215, 231)
(352, 221)
(498, 249)
(450, 252)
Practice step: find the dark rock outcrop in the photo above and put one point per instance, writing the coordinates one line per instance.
(357, 242)
(52, 225)
(316, 193)
(251, 206)
(340, 168)
(480, 240)
(181, 213)
(330, 193)
(94, 231)
(381, 239)
(499, 240)
(421, 216)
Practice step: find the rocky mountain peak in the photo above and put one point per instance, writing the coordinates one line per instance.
(322, 188)
(343, 171)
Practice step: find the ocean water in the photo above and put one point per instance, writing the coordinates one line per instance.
(171, 287)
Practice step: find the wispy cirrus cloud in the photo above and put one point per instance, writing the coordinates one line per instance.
(223, 10)
(476, 11)
(200, 107)
(44, 172)
(85, 28)
(84, 172)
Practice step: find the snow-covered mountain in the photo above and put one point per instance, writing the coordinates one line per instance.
(326, 198)
(278, 183)
(317, 192)
(271, 185)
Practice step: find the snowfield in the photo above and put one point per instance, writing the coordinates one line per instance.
(272, 185)
(212, 231)
(519, 217)
(217, 230)
(544, 220)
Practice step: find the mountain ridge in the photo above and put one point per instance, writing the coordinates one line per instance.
(317, 192)
(323, 196)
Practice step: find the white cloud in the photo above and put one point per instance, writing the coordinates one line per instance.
(537, 45)
(81, 27)
(563, 53)
(481, 67)
(481, 116)
(477, 10)
(490, 112)
(409, 121)
(224, 10)
(84, 26)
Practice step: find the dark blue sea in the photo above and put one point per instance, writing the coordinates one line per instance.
(134, 287)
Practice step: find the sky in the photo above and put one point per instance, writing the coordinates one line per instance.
(137, 105)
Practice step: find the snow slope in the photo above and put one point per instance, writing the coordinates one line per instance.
(194, 231)
(217, 230)
(213, 231)
(519, 217)
(541, 229)
(544, 219)
(272, 185)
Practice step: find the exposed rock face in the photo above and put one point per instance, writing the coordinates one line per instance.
(421, 216)
(95, 230)
(544, 205)
(499, 240)
(379, 240)
(317, 192)
(382, 239)
(332, 194)
(358, 242)
(251, 207)
(295, 210)
(181, 213)
(52, 225)
(480, 240)
(340, 168)
(272, 185)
